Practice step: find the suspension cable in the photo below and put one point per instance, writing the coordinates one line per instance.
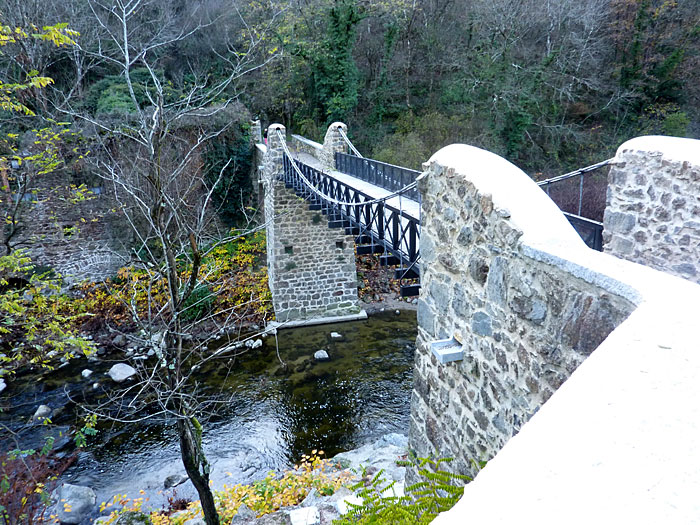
(318, 192)
(350, 144)
(574, 173)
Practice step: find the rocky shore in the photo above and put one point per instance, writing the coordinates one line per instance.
(76, 505)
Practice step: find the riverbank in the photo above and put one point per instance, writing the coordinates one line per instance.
(316, 504)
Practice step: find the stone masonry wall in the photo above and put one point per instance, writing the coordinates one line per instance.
(78, 238)
(304, 145)
(524, 323)
(332, 142)
(652, 215)
(311, 267)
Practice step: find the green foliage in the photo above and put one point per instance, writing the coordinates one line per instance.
(35, 319)
(111, 95)
(199, 303)
(232, 154)
(436, 492)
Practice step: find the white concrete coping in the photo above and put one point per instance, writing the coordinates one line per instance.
(308, 142)
(673, 148)
(276, 325)
(262, 148)
(619, 442)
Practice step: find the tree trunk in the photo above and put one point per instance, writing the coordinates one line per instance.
(197, 466)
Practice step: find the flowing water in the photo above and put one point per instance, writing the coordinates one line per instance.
(271, 418)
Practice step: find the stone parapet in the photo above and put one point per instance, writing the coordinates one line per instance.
(525, 324)
(652, 214)
(304, 145)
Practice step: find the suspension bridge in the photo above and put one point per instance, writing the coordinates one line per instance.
(378, 204)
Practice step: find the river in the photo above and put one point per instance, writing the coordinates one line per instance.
(272, 418)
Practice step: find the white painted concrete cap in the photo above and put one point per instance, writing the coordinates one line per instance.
(619, 442)
(675, 148)
(531, 210)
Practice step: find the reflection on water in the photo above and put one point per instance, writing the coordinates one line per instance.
(273, 414)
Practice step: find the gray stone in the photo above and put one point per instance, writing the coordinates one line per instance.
(336, 335)
(121, 372)
(133, 518)
(3, 385)
(119, 340)
(174, 480)
(75, 503)
(195, 521)
(496, 281)
(620, 222)
(478, 268)
(42, 413)
(243, 515)
(441, 294)
(425, 317)
(481, 324)
(305, 516)
(321, 355)
(465, 236)
(685, 269)
(86, 373)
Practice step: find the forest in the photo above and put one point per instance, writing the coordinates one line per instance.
(550, 85)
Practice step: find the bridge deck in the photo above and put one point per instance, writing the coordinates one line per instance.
(408, 206)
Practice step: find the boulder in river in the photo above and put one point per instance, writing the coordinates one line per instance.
(42, 413)
(174, 480)
(86, 373)
(119, 340)
(321, 355)
(3, 385)
(75, 503)
(121, 372)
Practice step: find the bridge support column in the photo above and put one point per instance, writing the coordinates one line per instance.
(332, 142)
(311, 267)
(652, 213)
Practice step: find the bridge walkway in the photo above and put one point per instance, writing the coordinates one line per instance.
(408, 206)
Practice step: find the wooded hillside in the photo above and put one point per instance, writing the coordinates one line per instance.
(550, 85)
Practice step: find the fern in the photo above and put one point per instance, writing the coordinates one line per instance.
(436, 492)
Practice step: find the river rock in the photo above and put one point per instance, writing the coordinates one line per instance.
(195, 521)
(321, 355)
(305, 516)
(381, 454)
(121, 372)
(174, 480)
(75, 503)
(42, 413)
(86, 373)
(244, 515)
(119, 340)
(3, 385)
(133, 518)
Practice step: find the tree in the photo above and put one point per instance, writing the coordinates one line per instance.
(149, 149)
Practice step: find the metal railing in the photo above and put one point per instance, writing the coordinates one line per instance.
(374, 223)
(380, 174)
(590, 230)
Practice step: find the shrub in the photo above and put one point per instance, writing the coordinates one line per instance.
(437, 492)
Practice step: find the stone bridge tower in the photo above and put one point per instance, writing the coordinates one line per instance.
(311, 267)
